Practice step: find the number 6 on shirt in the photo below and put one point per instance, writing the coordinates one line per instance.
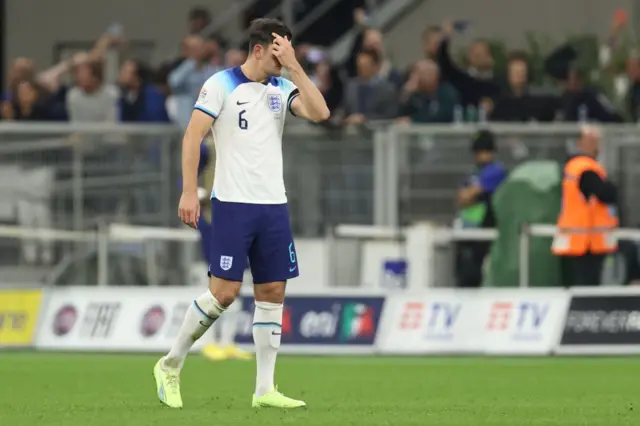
(242, 122)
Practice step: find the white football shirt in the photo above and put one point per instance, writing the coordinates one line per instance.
(249, 119)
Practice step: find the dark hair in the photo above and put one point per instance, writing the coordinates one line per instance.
(261, 29)
(483, 141)
(214, 36)
(143, 71)
(373, 54)
(518, 55)
(200, 12)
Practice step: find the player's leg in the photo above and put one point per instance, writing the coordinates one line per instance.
(273, 261)
(227, 328)
(212, 350)
(230, 241)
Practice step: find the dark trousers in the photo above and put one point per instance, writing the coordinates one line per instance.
(585, 270)
(470, 257)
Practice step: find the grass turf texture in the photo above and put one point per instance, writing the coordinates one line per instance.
(118, 390)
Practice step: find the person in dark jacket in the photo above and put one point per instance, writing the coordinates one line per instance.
(140, 101)
(31, 103)
(476, 209)
(477, 84)
(578, 102)
(517, 103)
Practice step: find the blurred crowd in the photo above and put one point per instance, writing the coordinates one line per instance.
(367, 86)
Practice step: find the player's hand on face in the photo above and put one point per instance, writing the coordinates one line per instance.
(189, 209)
(283, 51)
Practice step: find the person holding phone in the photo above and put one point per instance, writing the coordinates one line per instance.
(477, 84)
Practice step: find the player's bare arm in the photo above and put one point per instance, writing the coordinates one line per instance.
(199, 125)
(310, 104)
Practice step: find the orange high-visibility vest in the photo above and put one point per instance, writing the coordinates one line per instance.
(584, 225)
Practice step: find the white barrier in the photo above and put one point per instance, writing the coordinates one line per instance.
(485, 322)
(114, 319)
(526, 322)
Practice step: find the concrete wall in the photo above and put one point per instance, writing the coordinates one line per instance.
(507, 19)
(34, 26)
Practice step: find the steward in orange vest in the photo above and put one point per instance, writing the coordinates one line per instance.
(588, 216)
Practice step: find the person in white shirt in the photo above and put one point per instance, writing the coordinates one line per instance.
(245, 108)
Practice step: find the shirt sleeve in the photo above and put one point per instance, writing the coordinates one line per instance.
(491, 177)
(290, 92)
(211, 97)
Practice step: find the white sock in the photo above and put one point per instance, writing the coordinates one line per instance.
(203, 312)
(229, 324)
(267, 332)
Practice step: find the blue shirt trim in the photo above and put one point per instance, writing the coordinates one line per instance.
(206, 111)
(241, 78)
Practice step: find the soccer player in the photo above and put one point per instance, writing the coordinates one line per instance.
(245, 107)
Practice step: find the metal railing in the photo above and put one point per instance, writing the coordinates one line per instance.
(79, 175)
(146, 248)
(71, 176)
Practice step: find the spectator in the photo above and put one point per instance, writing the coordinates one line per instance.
(476, 209)
(476, 84)
(425, 99)
(328, 82)
(367, 96)
(431, 38)
(199, 19)
(633, 96)
(139, 101)
(187, 79)
(577, 102)
(214, 47)
(22, 69)
(29, 104)
(517, 104)
(234, 57)
(91, 99)
(372, 39)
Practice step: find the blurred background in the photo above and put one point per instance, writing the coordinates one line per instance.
(424, 94)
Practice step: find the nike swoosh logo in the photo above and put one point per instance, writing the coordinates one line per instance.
(204, 324)
(241, 103)
(273, 333)
(293, 269)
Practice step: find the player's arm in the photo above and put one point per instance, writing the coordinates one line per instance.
(205, 111)
(199, 125)
(309, 103)
(197, 129)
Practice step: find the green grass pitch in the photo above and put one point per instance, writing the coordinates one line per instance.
(118, 390)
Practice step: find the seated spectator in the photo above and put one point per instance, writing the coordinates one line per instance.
(187, 79)
(372, 39)
(431, 38)
(29, 104)
(328, 82)
(234, 57)
(424, 99)
(477, 85)
(367, 96)
(22, 69)
(139, 100)
(578, 102)
(91, 99)
(517, 104)
(214, 47)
